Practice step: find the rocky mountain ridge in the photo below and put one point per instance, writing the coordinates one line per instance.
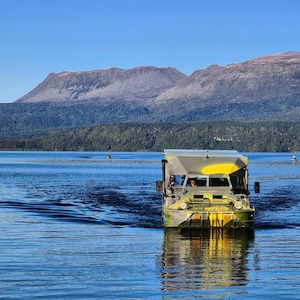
(265, 77)
(113, 84)
(266, 87)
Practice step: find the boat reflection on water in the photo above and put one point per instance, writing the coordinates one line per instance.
(203, 260)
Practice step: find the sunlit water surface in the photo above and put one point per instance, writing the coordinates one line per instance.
(77, 226)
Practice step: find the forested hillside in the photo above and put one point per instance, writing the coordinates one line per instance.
(246, 137)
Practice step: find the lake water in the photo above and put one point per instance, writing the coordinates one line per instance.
(77, 226)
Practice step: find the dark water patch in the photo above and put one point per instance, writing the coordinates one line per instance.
(50, 210)
(277, 200)
(274, 225)
(278, 208)
(140, 209)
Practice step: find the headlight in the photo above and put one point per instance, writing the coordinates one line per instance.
(183, 205)
(238, 205)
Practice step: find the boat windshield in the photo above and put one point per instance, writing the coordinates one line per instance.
(219, 181)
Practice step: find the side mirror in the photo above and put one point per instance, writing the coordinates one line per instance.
(159, 185)
(256, 187)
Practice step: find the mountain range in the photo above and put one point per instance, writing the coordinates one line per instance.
(265, 88)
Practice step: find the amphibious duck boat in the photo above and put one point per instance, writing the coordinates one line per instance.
(206, 189)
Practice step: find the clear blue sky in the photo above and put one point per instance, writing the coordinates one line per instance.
(42, 36)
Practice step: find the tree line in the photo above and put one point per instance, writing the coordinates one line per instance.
(241, 136)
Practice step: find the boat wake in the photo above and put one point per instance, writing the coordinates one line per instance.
(139, 206)
(278, 208)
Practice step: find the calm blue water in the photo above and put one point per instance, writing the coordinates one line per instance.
(77, 226)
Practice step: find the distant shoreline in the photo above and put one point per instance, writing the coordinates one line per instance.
(242, 136)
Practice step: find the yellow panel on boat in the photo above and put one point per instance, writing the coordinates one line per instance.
(219, 219)
(227, 168)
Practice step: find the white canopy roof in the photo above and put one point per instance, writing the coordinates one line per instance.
(203, 162)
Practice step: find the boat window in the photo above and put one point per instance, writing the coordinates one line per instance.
(238, 184)
(197, 181)
(201, 181)
(176, 180)
(220, 181)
